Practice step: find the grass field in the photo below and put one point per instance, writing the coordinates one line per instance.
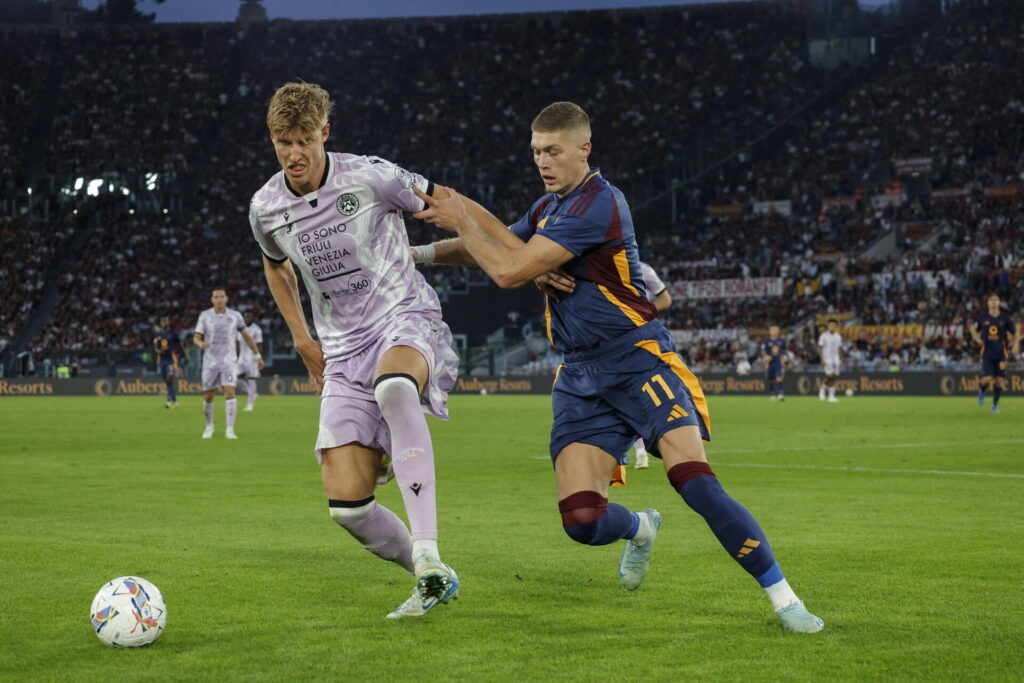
(899, 521)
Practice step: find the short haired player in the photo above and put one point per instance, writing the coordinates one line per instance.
(773, 354)
(994, 332)
(170, 357)
(657, 294)
(622, 377)
(248, 368)
(216, 333)
(384, 354)
(830, 349)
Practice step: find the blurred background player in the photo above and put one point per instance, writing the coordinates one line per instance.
(773, 353)
(170, 357)
(248, 368)
(993, 332)
(657, 294)
(216, 333)
(384, 356)
(830, 348)
(621, 376)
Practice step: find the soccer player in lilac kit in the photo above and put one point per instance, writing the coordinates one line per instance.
(216, 333)
(384, 355)
(248, 368)
(621, 377)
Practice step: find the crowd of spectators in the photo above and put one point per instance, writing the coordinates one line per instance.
(24, 59)
(653, 80)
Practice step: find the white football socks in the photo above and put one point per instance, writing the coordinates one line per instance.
(781, 595)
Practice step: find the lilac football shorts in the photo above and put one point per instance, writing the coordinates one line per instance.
(219, 375)
(348, 410)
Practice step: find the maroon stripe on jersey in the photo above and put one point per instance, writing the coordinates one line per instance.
(535, 216)
(601, 270)
(588, 201)
(614, 233)
(584, 200)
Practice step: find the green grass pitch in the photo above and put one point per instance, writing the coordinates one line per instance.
(897, 520)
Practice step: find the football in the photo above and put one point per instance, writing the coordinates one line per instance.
(128, 612)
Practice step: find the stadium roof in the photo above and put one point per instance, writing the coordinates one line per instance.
(225, 10)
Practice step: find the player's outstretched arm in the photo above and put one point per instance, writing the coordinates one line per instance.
(284, 286)
(492, 245)
(448, 252)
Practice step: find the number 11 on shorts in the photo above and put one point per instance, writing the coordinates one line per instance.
(649, 389)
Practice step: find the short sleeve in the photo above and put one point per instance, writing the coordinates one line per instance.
(652, 282)
(522, 228)
(239, 322)
(394, 185)
(201, 325)
(575, 233)
(267, 244)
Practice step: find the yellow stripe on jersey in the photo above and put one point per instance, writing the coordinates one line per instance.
(543, 222)
(622, 265)
(676, 363)
(637, 319)
(547, 319)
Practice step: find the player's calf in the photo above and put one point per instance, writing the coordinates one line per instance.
(589, 518)
(378, 529)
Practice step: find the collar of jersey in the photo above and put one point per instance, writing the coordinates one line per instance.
(591, 174)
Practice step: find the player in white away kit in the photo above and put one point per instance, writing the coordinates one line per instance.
(248, 368)
(384, 356)
(657, 293)
(830, 347)
(216, 334)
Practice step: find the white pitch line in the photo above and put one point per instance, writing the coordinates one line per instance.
(867, 469)
(877, 446)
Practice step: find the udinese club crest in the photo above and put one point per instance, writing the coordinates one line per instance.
(347, 204)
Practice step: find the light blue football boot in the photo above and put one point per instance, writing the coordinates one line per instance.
(795, 617)
(636, 559)
(436, 584)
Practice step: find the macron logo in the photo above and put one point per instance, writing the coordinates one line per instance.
(415, 488)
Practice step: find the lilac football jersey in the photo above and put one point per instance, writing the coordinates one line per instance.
(245, 355)
(652, 282)
(348, 241)
(221, 330)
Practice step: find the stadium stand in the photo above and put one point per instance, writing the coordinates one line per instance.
(411, 91)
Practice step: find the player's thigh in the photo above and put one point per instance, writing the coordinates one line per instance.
(680, 445)
(404, 360)
(584, 418)
(349, 472)
(583, 467)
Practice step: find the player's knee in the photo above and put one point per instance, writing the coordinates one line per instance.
(580, 515)
(394, 386)
(348, 512)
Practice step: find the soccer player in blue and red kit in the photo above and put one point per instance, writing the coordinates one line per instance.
(993, 332)
(622, 377)
(773, 352)
(170, 357)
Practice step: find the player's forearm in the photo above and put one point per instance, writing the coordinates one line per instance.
(448, 252)
(489, 245)
(663, 302)
(197, 339)
(285, 289)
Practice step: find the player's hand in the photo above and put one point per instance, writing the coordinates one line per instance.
(313, 358)
(555, 281)
(447, 214)
(260, 364)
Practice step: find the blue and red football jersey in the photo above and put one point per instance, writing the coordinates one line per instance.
(593, 222)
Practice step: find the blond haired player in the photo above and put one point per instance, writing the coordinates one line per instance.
(384, 356)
